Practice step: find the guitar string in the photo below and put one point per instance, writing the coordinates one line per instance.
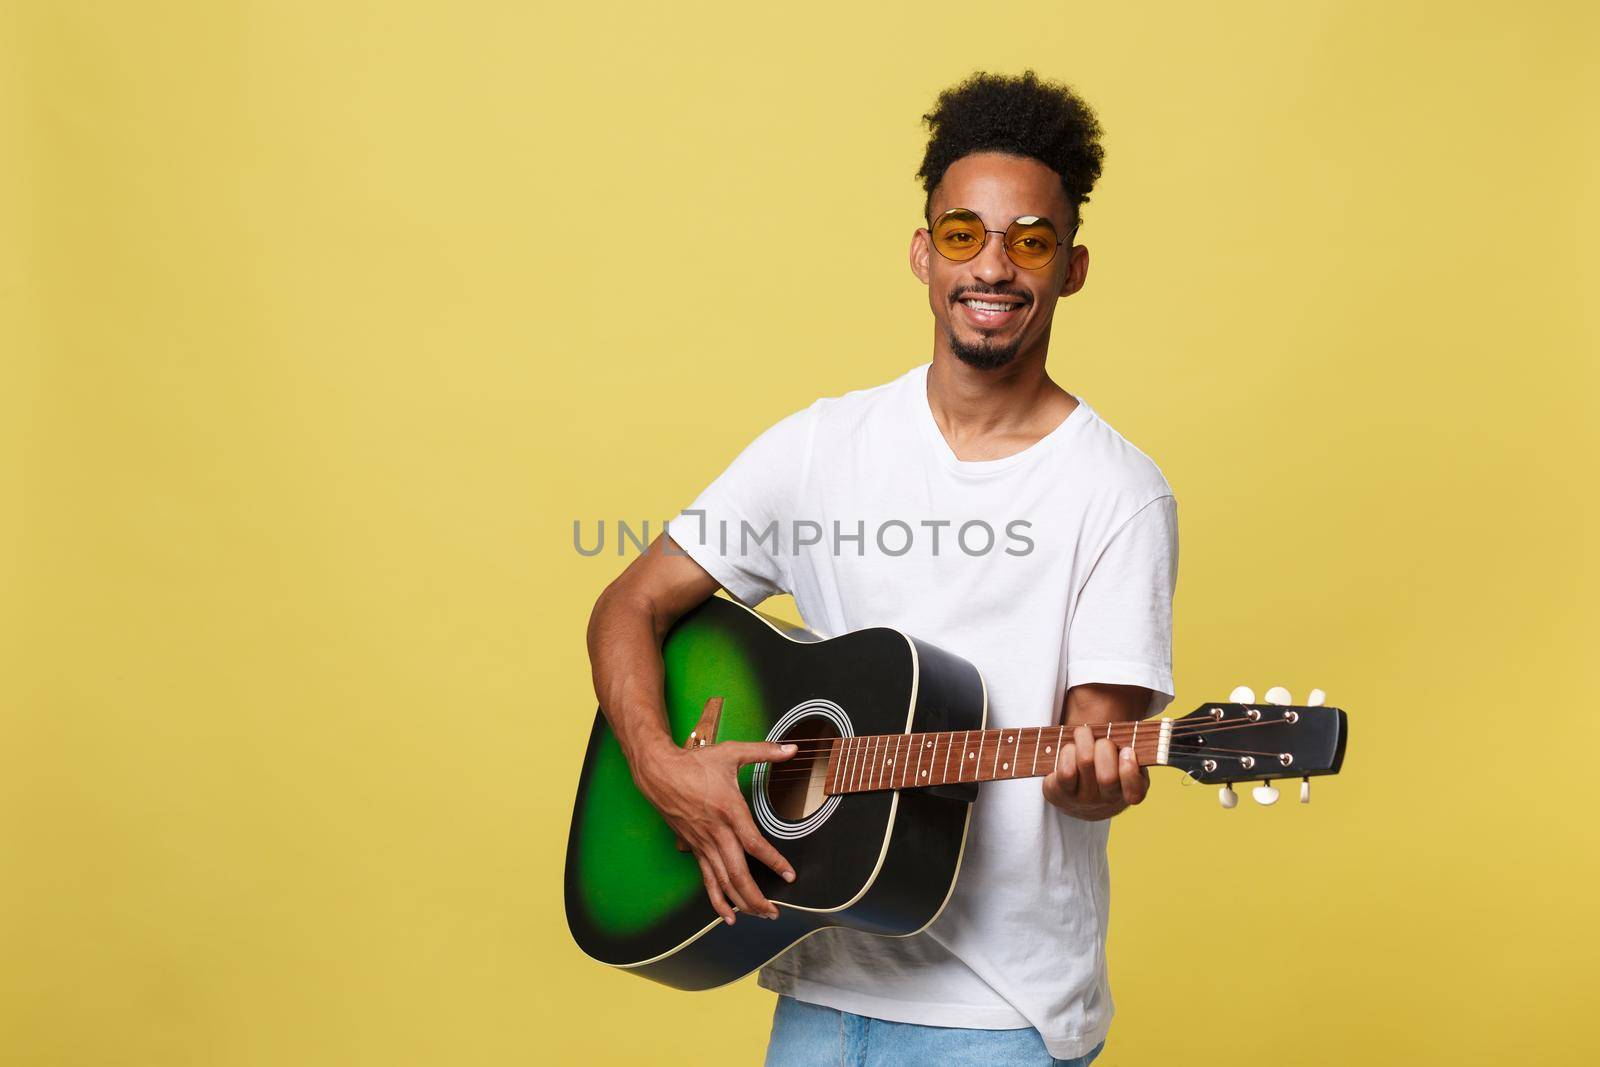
(808, 770)
(803, 765)
(825, 745)
(1180, 729)
(815, 749)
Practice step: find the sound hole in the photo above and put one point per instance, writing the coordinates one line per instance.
(794, 786)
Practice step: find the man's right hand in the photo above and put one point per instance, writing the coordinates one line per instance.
(697, 791)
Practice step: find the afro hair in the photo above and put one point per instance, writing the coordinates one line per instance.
(1020, 116)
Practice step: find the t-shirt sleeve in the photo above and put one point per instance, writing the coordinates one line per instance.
(1121, 629)
(738, 527)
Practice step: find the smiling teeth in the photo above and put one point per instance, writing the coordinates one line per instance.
(984, 305)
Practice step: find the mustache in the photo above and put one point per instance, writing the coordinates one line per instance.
(963, 293)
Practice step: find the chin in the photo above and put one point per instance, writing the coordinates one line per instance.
(984, 357)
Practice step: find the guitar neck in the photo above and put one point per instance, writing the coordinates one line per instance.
(910, 761)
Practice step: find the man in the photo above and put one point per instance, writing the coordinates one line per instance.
(881, 499)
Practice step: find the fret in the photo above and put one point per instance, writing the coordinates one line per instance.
(884, 761)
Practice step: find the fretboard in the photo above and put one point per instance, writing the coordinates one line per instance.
(909, 761)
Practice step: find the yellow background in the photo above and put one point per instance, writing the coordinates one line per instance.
(324, 321)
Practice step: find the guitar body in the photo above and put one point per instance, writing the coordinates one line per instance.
(884, 862)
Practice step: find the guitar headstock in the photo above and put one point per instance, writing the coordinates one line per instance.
(1240, 740)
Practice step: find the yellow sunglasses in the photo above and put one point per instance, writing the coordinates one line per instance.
(1030, 241)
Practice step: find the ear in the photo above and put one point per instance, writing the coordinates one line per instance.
(921, 249)
(1077, 270)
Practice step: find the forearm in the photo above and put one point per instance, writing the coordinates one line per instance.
(1098, 703)
(625, 633)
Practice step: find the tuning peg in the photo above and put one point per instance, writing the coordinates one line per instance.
(1227, 797)
(1265, 793)
(1242, 695)
(1279, 695)
(1316, 698)
(1305, 790)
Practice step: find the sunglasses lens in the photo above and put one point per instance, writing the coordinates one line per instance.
(1031, 242)
(958, 235)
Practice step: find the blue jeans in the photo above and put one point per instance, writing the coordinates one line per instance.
(809, 1035)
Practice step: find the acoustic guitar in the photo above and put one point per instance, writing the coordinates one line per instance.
(872, 810)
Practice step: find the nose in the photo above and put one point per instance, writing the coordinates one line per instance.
(991, 265)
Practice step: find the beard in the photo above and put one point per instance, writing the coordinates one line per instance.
(986, 354)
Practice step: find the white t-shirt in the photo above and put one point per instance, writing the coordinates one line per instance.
(1046, 569)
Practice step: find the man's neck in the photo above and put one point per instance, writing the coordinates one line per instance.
(991, 414)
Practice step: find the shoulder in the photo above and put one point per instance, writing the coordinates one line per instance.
(842, 417)
(843, 420)
(1101, 454)
(860, 406)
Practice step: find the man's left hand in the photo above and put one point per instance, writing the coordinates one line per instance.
(1092, 780)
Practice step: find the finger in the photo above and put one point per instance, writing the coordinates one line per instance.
(1083, 744)
(733, 859)
(762, 849)
(1083, 749)
(719, 903)
(758, 751)
(720, 868)
(1105, 770)
(1052, 788)
(1067, 767)
(1061, 784)
(1135, 781)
